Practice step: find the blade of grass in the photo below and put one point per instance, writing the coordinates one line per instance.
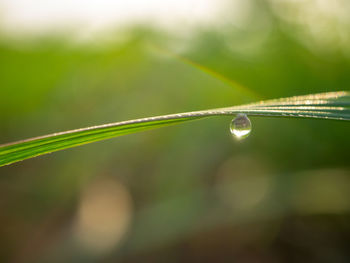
(234, 84)
(331, 105)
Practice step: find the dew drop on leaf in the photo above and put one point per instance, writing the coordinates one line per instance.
(241, 126)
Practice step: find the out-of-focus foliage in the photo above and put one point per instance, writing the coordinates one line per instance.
(185, 193)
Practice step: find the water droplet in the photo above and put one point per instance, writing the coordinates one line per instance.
(241, 126)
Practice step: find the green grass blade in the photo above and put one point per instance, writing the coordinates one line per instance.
(234, 84)
(331, 105)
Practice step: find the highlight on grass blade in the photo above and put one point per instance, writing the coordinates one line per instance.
(331, 105)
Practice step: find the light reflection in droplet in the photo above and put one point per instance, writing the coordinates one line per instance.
(241, 126)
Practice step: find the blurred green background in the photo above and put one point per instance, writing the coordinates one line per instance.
(186, 193)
